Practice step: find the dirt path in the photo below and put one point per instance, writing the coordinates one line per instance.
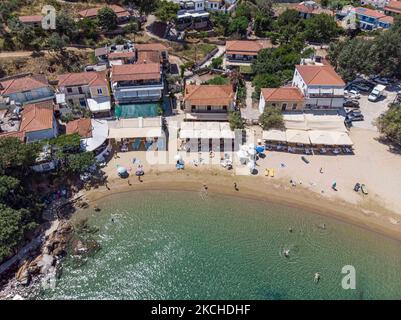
(23, 54)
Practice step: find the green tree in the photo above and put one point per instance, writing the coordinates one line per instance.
(235, 120)
(220, 22)
(239, 26)
(271, 118)
(262, 24)
(107, 19)
(321, 28)
(78, 162)
(217, 63)
(88, 28)
(219, 80)
(65, 25)
(144, 6)
(57, 43)
(167, 11)
(389, 124)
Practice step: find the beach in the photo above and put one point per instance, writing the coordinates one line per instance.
(371, 164)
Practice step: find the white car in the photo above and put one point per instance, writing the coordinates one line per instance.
(352, 94)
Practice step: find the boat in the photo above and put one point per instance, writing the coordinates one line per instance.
(287, 253)
(305, 160)
(271, 172)
(266, 172)
(357, 187)
(364, 189)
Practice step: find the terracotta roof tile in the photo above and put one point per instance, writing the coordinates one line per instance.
(121, 55)
(243, 47)
(38, 116)
(387, 19)
(28, 19)
(148, 57)
(150, 47)
(14, 134)
(92, 12)
(132, 72)
(209, 94)
(319, 75)
(301, 7)
(92, 78)
(81, 126)
(369, 12)
(282, 94)
(23, 84)
(394, 6)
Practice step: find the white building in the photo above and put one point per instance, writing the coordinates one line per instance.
(321, 86)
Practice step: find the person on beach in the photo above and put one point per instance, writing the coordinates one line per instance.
(321, 170)
(107, 186)
(236, 186)
(129, 183)
(205, 187)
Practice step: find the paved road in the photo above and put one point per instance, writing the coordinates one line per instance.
(372, 110)
(249, 113)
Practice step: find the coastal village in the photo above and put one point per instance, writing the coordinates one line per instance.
(179, 87)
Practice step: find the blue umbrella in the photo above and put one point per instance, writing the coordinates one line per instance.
(121, 170)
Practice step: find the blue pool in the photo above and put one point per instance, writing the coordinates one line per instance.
(135, 110)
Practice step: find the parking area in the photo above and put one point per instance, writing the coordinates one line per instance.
(371, 110)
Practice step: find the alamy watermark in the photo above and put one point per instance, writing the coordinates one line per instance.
(349, 280)
(49, 18)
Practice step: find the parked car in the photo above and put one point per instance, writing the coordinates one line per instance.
(382, 80)
(351, 104)
(351, 117)
(362, 86)
(377, 92)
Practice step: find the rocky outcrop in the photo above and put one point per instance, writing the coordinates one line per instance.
(23, 275)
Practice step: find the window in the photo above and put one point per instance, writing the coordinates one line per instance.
(69, 90)
(82, 102)
(209, 108)
(273, 105)
(225, 108)
(70, 102)
(193, 108)
(99, 91)
(283, 107)
(80, 90)
(294, 106)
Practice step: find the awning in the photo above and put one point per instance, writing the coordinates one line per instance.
(100, 131)
(206, 130)
(125, 133)
(341, 139)
(274, 135)
(99, 104)
(297, 136)
(318, 137)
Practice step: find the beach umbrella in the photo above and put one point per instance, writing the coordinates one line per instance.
(121, 170)
(178, 157)
(260, 149)
(252, 166)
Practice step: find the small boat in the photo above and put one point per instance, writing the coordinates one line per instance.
(317, 277)
(305, 160)
(287, 253)
(267, 172)
(357, 187)
(271, 172)
(364, 189)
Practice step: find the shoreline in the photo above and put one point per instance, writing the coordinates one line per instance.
(370, 216)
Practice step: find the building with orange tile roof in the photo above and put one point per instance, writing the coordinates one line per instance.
(321, 86)
(122, 14)
(38, 121)
(86, 89)
(212, 101)
(33, 21)
(307, 9)
(369, 19)
(136, 82)
(13, 134)
(244, 51)
(393, 8)
(81, 126)
(284, 99)
(27, 89)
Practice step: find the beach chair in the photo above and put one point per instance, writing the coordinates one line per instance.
(136, 144)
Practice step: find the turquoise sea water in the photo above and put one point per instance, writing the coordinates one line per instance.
(189, 245)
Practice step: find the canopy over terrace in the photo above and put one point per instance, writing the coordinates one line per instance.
(297, 136)
(314, 122)
(329, 138)
(135, 128)
(100, 130)
(274, 135)
(206, 130)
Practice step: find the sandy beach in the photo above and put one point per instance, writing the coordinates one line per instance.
(372, 164)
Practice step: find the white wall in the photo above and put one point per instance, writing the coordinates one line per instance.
(262, 103)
